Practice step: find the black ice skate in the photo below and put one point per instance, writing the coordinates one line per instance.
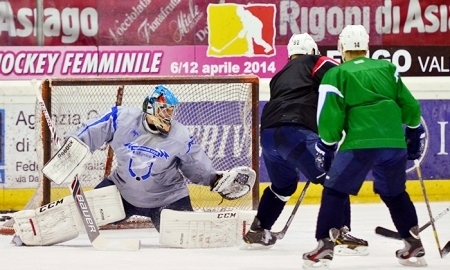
(413, 253)
(257, 237)
(321, 257)
(348, 245)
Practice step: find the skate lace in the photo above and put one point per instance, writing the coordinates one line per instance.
(345, 236)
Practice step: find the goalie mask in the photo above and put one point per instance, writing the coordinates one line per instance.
(159, 108)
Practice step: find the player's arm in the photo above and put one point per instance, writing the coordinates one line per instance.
(78, 147)
(409, 105)
(330, 120)
(321, 67)
(330, 110)
(95, 132)
(231, 184)
(195, 164)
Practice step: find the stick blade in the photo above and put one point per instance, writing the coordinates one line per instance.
(445, 250)
(279, 235)
(387, 233)
(116, 245)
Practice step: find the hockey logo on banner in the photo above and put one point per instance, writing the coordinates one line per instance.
(241, 30)
(2, 146)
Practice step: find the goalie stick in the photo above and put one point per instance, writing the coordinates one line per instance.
(280, 234)
(92, 230)
(110, 154)
(394, 235)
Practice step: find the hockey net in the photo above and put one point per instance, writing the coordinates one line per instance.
(220, 112)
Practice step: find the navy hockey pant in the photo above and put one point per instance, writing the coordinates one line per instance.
(286, 151)
(346, 176)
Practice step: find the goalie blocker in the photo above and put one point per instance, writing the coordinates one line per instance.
(59, 221)
(68, 161)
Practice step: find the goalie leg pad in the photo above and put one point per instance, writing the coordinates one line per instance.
(37, 229)
(106, 205)
(204, 229)
(59, 221)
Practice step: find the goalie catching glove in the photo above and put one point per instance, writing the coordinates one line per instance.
(235, 183)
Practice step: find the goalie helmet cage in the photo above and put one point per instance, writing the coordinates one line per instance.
(220, 111)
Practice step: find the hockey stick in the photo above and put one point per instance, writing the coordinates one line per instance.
(427, 202)
(110, 155)
(224, 47)
(280, 234)
(393, 234)
(445, 250)
(81, 202)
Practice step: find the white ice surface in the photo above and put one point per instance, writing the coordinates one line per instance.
(286, 254)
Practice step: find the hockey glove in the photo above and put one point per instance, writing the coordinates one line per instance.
(235, 183)
(415, 142)
(324, 155)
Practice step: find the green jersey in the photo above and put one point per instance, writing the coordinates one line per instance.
(366, 99)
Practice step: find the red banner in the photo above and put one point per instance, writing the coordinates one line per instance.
(185, 22)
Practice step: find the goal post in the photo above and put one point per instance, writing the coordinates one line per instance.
(221, 112)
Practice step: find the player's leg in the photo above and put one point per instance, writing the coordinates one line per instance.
(250, 50)
(258, 39)
(59, 221)
(183, 204)
(346, 243)
(284, 180)
(104, 183)
(347, 173)
(390, 178)
(126, 206)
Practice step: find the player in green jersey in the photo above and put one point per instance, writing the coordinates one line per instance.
(366, 100)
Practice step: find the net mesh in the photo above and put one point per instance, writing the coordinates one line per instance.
(219, 113)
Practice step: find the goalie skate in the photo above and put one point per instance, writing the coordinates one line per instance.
(348, 245)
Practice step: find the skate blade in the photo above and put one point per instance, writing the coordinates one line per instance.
(344, 250)
(17, 241)
(413, 262)
(322, 264)
(246, 246)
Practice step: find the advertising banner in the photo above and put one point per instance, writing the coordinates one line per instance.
(19, 168)
(24, 63)
(200, 22)
(2, 146)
